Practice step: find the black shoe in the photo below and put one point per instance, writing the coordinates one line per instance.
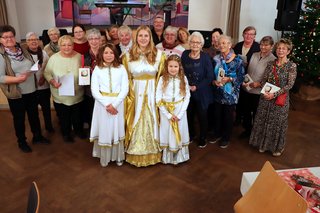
(68, 139)
(224, 144)
(40, 139)
(25, 147)
(214, 140)
(245, 134)
(202, 144)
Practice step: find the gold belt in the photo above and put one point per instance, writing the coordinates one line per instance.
(144, 77)
(109, 94)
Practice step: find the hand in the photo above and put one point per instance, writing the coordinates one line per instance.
(225, 80)
(41, 81)
(111, 109)
(193, 88)
(255, 84)
(268, 96)
(217, 83)
(175, 118)
(22, 77)
(55, 84)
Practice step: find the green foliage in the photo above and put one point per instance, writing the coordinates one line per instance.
(306, 39)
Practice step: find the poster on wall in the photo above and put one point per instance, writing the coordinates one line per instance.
(70, 12)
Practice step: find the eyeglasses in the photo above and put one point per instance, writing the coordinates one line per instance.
(195, 42)
(249, 34)
(35, 39)
(7, 37)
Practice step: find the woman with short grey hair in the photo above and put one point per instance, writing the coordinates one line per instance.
(170, 45)
(52, 47)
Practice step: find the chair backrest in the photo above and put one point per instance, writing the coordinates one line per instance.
(269, 193)
(33, 199)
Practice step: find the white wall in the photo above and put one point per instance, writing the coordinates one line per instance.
(208, 14)
(35, 15)
(260, 14)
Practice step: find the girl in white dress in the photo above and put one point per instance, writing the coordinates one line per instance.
(172, 98)
(144, 64)
(109, 87)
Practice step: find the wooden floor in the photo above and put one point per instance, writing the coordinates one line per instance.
(70, 180)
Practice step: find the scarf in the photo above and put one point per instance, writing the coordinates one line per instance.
(39, 54)
(125, 49)
(169, 46)
(17, 56)
(54, 47)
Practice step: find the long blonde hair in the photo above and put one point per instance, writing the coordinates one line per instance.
(135, 51)
(166, 75)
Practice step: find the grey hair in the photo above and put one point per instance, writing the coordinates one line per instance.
(93, 32)
(197, 35)
(171, 29)
(228, 38)
(124, 28)
(53, 30)
(29, 34)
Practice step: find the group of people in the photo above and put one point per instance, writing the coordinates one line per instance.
(146, 88)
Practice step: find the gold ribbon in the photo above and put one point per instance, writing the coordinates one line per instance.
(170, 106)
(109, 94)
(144, 77)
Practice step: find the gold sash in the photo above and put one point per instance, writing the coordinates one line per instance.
(144, 77)
(109, 94)
(170, 106)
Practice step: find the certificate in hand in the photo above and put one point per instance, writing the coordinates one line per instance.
(84, 76)
(247, 80)
(67, 85)
(269, 88)
(221, 74)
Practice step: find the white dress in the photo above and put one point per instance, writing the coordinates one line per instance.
(108, 86)
(174, 151)
(143, 148)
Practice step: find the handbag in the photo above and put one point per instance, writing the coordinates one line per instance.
(281, 99)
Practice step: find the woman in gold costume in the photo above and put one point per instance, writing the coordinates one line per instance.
(144, 64)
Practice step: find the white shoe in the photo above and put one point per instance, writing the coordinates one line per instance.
(120, 163)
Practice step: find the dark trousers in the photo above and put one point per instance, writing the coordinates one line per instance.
(195, 109)
(44, 101)
(19, 107)
(240, 106)
(251, 102)
(223, 117)
(87, 109)
(69, 117)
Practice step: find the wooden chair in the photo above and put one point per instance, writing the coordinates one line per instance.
(270, 194)
(33, 199)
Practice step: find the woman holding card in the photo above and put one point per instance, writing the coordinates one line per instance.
(60, 67)
(228, 76)
(252, 89)
(19, 87)
(271, 122)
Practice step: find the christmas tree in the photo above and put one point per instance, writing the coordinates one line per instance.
(306, 39)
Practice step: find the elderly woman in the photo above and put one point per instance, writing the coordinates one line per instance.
(183, 37)
(43, 89)
(170, 45)
(213, 50)
(90, 60)
(157, 30)
(271, 122)
(144, 64)
(198, 70)
(125, 37)
(19, 87)
(228, 77)
(81, 44)
(251, 95)
(52, 47)
(60, 66)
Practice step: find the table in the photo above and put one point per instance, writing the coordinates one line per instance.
(121, 4)
(248, 178)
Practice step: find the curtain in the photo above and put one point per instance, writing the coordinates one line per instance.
(233, 19)
(3, 13)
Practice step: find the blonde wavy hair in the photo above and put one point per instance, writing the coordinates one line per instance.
(135, 51)
(166, 75)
